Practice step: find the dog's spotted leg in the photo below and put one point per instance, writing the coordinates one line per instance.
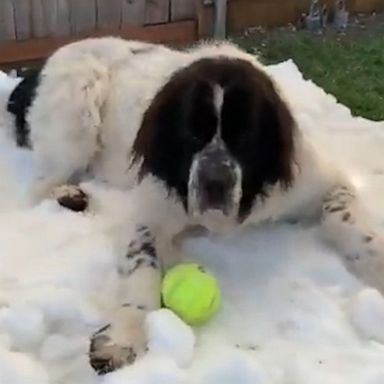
(124, 339)
(347, 226)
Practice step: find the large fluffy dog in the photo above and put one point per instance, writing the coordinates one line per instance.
(206, 138)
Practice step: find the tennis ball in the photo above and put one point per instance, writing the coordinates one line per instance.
(191, 292)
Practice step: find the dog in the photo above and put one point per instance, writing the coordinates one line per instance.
(204, 136)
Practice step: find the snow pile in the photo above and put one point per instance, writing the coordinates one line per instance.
(291, 313)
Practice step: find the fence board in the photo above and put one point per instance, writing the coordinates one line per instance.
(39, 23)
(59, 19)
(133, 12)
(248, 13)
(368, 5)
(109, 13)
(7, 25)
(82, 15)
(50, 18)
(156, 11)
(181, 32)
(204, 16)
(183, 9)
(22, 13)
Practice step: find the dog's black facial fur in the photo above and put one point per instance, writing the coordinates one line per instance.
(179, 123)
(256, 126)
(19, 102)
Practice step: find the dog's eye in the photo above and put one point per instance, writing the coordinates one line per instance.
(200, 116)
(202, 128)
(196, 139)
(238, 116)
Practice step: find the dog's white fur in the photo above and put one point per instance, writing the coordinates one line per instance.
(86, 115)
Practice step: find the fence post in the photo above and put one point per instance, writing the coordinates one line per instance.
(220, 31)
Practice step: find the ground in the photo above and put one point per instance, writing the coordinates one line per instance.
(291, 313)
(348, 64)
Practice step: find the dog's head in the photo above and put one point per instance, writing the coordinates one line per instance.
(219, 135)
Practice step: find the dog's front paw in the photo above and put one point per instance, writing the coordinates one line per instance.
(119, 343)
(107, 355)
(71, 197)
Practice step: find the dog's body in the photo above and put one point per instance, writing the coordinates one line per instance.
(205, 137)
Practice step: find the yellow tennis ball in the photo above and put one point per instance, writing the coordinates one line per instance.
(191, 292)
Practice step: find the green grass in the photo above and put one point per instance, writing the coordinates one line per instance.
(350, 67)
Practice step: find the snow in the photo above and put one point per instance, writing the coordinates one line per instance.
(168, 335)
(367, 314)
(291, 313)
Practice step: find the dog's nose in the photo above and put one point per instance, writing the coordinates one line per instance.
(216, 177)
(215, 193)
(216, 181)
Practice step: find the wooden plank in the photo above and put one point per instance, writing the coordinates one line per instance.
(301, 6)
(82, 15)
(39, 22)
(22, 14)
(133, 12)
(205, 19)
(367, 6)
(108, 14)
(157, 11)
(50, 18)
(7, 22)
(182, 10)
(59, 24)
(177, 33)
(243, 14)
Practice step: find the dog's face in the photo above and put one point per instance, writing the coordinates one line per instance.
(219, 135)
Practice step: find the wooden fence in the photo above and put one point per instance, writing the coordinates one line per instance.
(32, 29)
(26, 19)
(248, 13)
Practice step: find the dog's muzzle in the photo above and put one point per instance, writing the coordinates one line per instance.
(215, 181)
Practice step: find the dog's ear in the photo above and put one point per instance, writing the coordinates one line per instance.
(259, 129)
(178, 123)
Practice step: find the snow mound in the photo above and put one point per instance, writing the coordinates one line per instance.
(291, 312)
